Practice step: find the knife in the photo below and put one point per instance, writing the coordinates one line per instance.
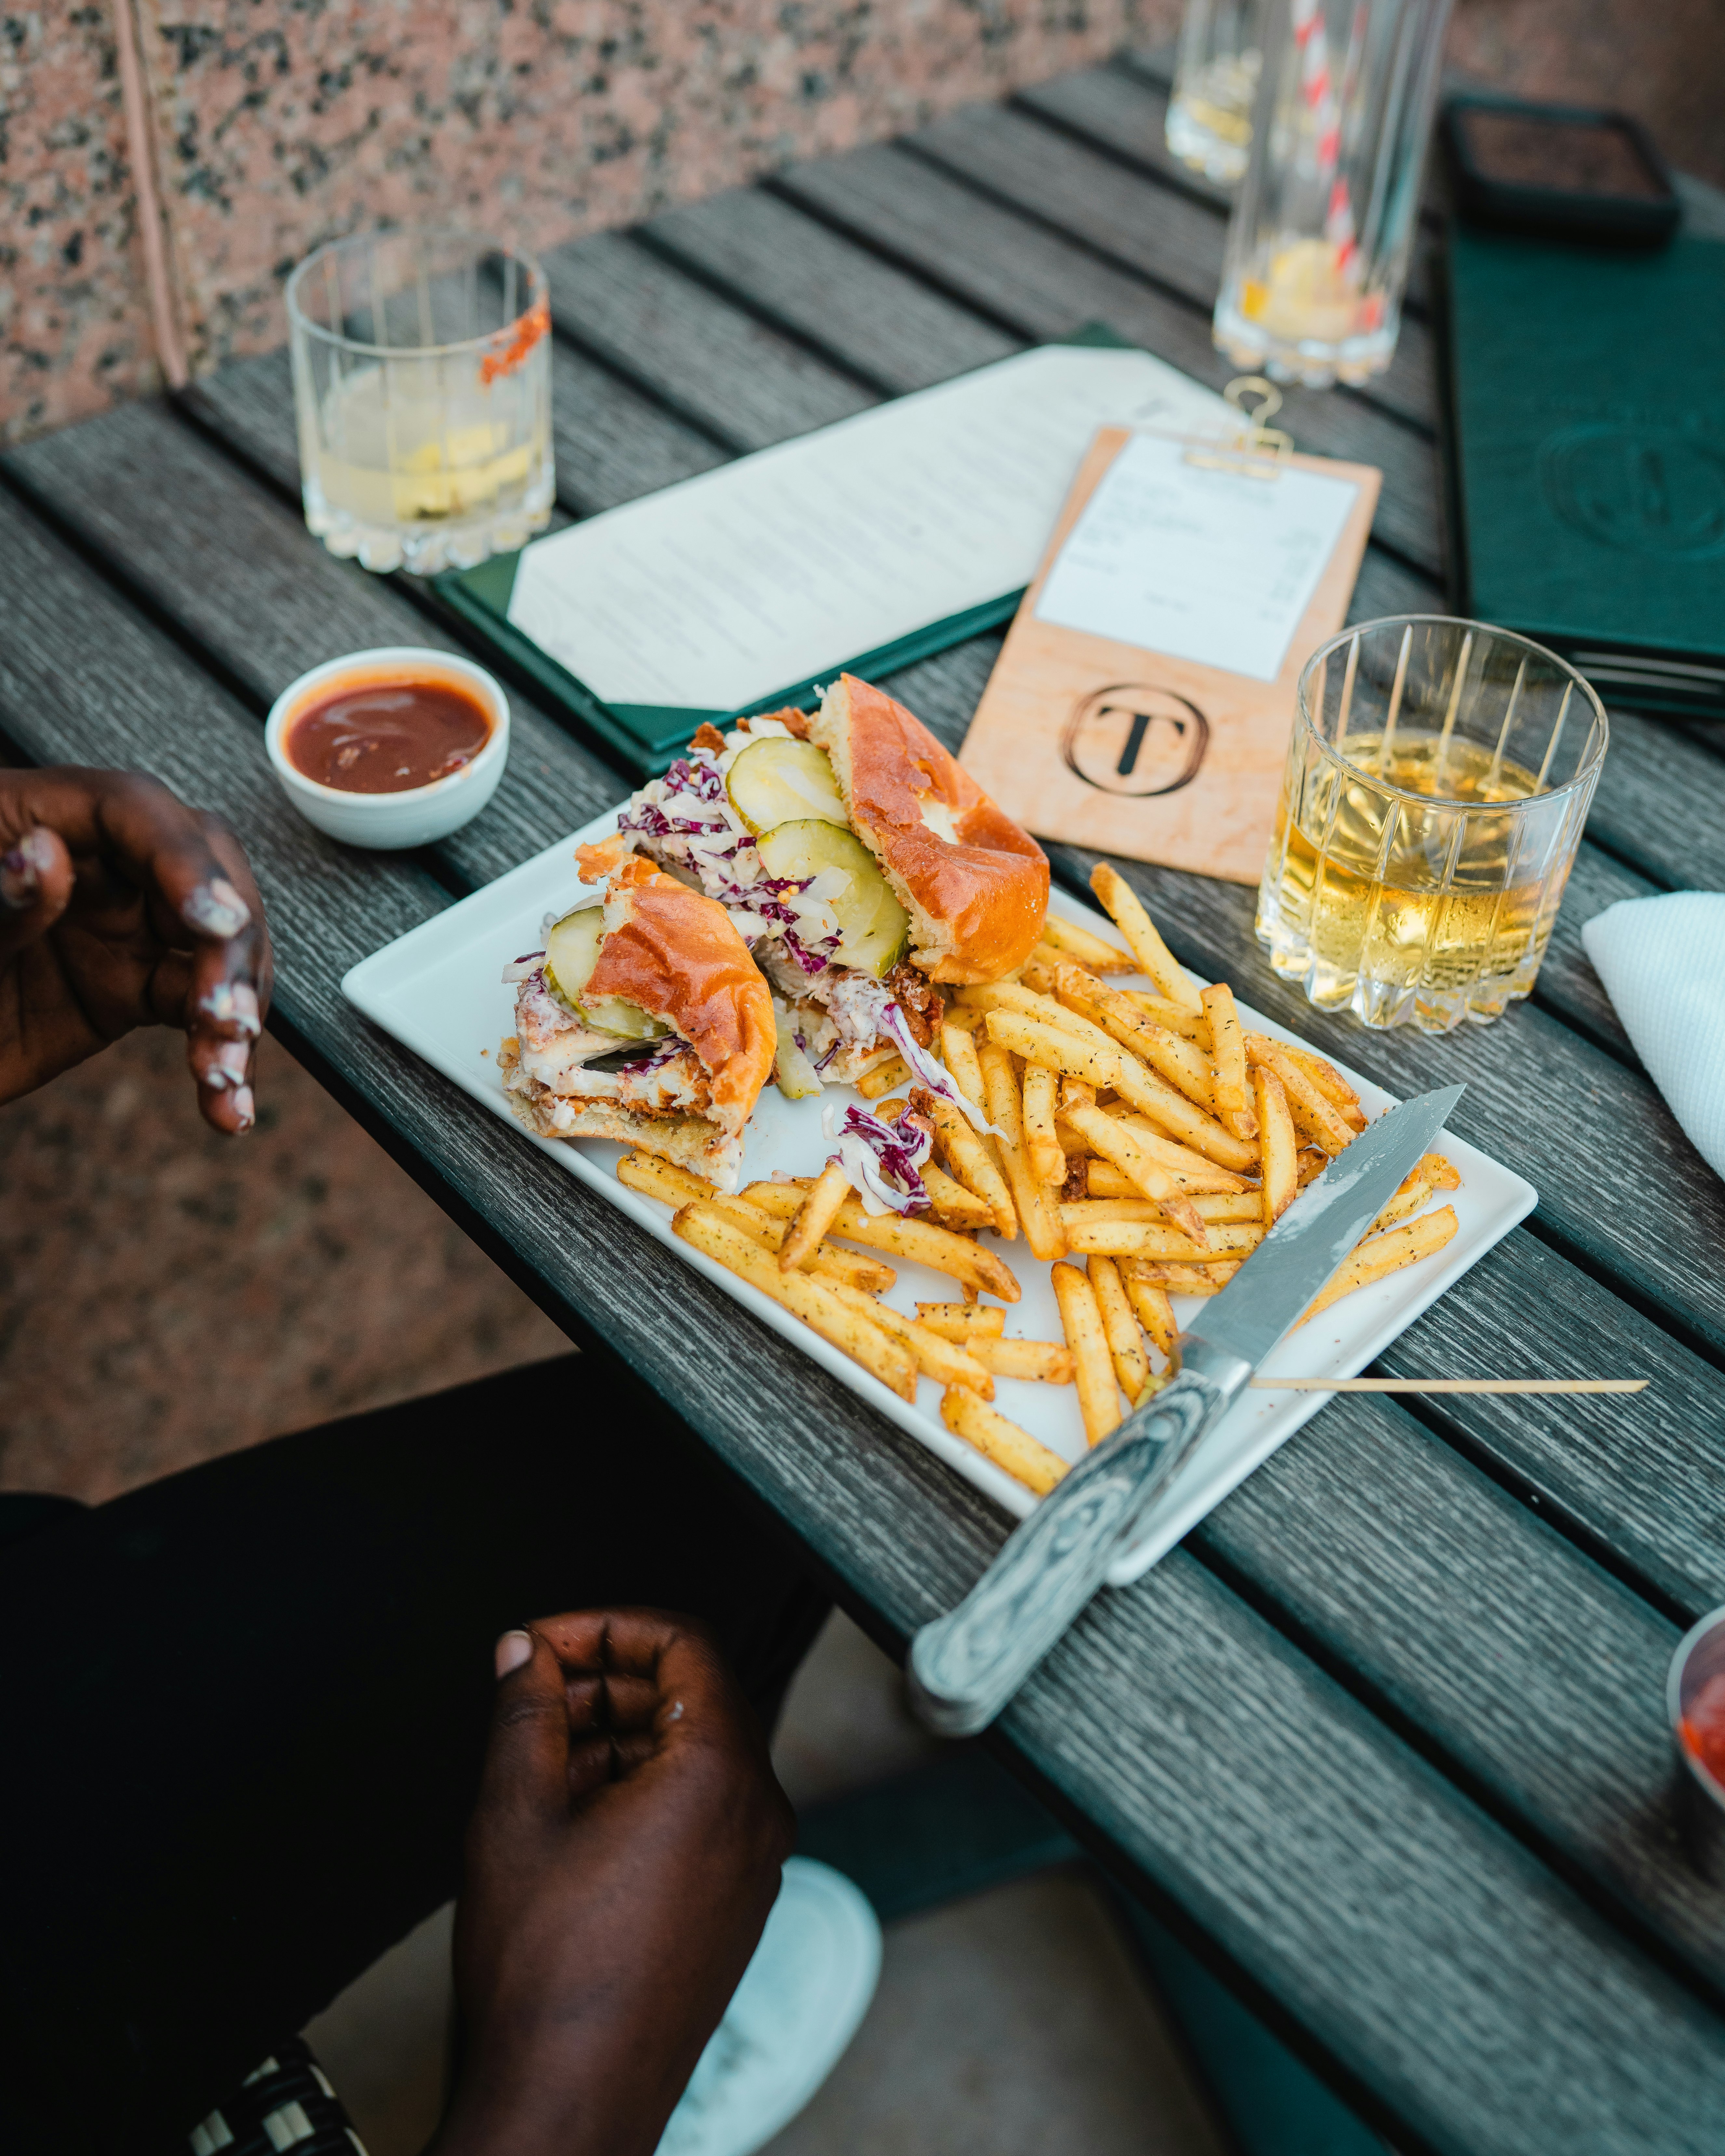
(966, 1666)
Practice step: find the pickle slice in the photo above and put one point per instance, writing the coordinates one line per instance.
(776, 780)
(874, 929)
(572, 951)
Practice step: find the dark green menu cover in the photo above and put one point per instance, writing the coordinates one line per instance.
(1589, 467)
(648, 736)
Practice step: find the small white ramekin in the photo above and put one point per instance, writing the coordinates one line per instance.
(422, 814)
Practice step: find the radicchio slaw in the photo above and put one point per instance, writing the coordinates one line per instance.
(883, 1162)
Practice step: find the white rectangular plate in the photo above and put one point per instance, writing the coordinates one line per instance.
(438, 990)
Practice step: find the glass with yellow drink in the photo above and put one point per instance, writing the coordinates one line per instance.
(1438, 779)
(421, 390)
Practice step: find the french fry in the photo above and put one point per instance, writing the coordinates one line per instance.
(971, 1417)
(826, 1194)
(1278, 1148)
(921, 1242)
(1082, 1321)
(783, 1200)
(1124, 908)
(1132, 1365)
(1440, 1173)
(969, 1157)
(965, 1019)
(1047, 1155)
(1313, 1161)
(1190, 1170)
(1036, 1211)
(1379, 1255)
(1232, 1095)
(954, 1206)
(1047, 1362)
(1072, 942)
(1105, 1180)
(1190, 1025)
(1131, 1158)
(1170, 1054)
(894, 1071)
(958, 1052)
(960, 1322)
(1406, 1202)
(1314, 1116)
(1192, 1280)
(830, 1263)
(1180, 1118)
(1150, 1306)
(943, 1360)
(1038, 971)
(1045, 1010)
(1330, 1082)
(712, 1232)
(675, 1187)
(1086, 1234)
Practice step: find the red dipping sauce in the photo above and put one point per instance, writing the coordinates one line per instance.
(387, 735)
(1703, 1728)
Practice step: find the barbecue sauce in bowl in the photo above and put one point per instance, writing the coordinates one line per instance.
(387, 735)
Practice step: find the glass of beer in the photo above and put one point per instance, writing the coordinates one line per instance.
(1438, 778)
(422, 389)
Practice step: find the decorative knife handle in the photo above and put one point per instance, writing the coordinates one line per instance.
(966, 1666)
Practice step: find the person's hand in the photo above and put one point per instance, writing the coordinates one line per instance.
(621, 1864)
(120, 906)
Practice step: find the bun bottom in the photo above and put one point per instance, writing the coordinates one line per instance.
(694, 1142)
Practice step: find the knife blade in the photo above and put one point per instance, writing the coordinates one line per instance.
(965, 1666)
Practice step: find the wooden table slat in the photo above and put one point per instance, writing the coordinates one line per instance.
(879, 321)
(747, 383)
(1338, 1869)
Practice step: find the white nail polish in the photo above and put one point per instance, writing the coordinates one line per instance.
(216, 908)
(245, 1109)
(235, 1004)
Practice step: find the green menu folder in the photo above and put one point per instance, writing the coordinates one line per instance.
(647, 736)
(1589, 468)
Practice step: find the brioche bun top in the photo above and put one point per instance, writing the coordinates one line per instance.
(974, 885)
(675, 955)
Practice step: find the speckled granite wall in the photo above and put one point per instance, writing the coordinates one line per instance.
(280, 123)
(73, 326)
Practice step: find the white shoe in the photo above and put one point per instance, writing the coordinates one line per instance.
(789, 2020)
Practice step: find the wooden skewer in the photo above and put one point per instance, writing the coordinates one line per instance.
(1451, 1384)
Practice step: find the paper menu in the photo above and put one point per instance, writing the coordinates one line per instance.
(1209, 565)
(741, 582)
(1103, 735)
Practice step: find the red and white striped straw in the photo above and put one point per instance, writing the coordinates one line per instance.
(1318, 89)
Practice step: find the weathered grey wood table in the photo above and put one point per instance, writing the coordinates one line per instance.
(1385, 1736)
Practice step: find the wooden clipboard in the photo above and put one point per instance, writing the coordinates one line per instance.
(1106, 745)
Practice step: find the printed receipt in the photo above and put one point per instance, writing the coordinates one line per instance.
(729, 587)
(1195, 562)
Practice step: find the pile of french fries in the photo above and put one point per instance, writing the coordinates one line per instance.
(1148, 1143)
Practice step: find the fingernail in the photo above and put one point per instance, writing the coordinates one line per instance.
(235, 1004)
(229, 1066)
(216, 908)
(514, 1648)
(245, 1109)
(22, 868)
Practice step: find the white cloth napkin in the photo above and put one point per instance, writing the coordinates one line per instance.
(1663, 963)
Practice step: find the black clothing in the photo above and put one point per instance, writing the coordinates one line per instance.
(243, 1711)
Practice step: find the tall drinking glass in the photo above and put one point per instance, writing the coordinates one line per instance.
(1209, 114)
(1317, 250)
(422, 389)
(1438, 778)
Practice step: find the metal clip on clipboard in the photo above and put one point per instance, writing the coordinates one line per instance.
(1256, 451)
